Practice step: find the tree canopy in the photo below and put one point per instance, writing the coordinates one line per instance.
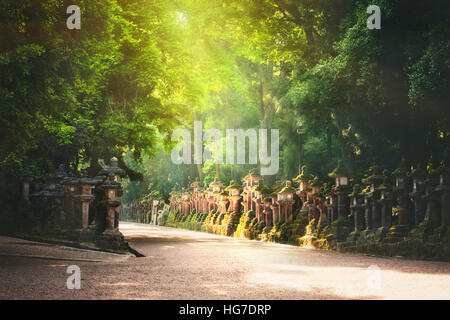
(136, 70)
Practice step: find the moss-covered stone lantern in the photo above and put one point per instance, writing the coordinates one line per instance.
(267, 211)
(195, 185)
(401, 191)
(342, 187)
(250, 180)
(222, 200)
(234, 190)
(373, 181)
(443, 190)
(357, 210)
(259, 191)
(186, 203)
(286, 202)
(385, 202)
(418, 175)
(211, 197)
(216, 186)
(304, 188)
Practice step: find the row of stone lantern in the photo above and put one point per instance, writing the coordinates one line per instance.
(86, 208)
(416, 196)
(270, 207)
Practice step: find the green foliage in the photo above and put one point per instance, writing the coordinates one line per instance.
(138, 69)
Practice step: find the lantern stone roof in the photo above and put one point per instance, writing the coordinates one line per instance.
(343, 169)
(216, 182)
(288, 188)
(402, 170)
(386, 183)
(112, 168)
(252, 173)
(233, 185)
(374, 176)
(263, 189)
(304, 175)
(196, 183)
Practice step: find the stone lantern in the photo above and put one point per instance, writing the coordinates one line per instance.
(315, 207)
(111, 201)
(401, 191)
(443, 190)
(105, 173)
(304, 186)
(216, 186)
(84, 197)
(367, 206)
(385, 202)
(373, 181)
(418, 175)
(195, 195)
(113, 167)
(341, 180)
(186, 204)
(357, 209)
(222, 200)
(203, 200)
(234, 196)
(331, 207)
(211, 198)
(250, 180)
(70, 186)
(286, 202)
(432, 198)
(195, 185)
(267, 212)
(259, 191)
(342, 188)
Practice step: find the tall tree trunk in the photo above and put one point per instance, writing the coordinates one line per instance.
(200, 173)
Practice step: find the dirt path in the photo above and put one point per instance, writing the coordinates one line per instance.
(182, 264)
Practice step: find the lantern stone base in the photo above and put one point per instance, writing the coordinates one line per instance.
(354, 236)
(341, 228)
(111, 239)
(297, 228)
(397, 233)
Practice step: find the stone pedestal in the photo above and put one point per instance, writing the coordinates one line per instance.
(343, 205)
(385, 203)
(419, 207)
(367, 206)
(376, 209)
(443, 191)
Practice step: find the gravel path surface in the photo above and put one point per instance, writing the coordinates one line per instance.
(182, 264)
